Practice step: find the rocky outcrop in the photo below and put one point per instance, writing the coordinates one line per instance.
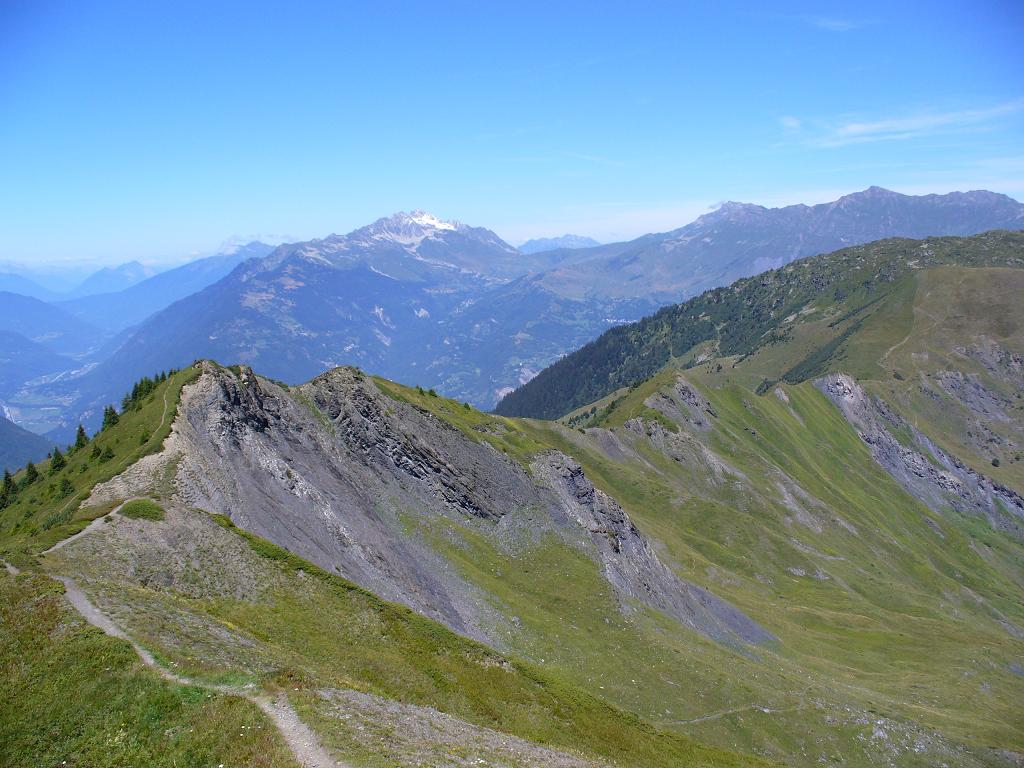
(683, 404)
(331, 483)
(685, 449)
(335, 471)
(936, 478)
(629, 562)
(397, 439)
(999, 361)
(968, 390)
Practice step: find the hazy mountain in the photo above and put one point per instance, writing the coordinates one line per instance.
(19, 446)
(124, 308)
(455, 307)
(12, 282)
(553, 243)
(375, 297)
(52, 279)
(48, 325)
(111, 279)
(740, 239)
(22, 360)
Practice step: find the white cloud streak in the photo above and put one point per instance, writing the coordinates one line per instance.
(833, 24)
(898, 128)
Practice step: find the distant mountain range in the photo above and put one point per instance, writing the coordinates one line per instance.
(46, 325)
(19, 446)
(12, 282)
(740, 239)
(59, 284)
(553, 243)
(454, 307)
(111, 279)
(116, 310)
(380, 297)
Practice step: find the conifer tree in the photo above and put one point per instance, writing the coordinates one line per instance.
(81, 438)
(110, 417)
(57, 461)
(7, 490)
(31, 474)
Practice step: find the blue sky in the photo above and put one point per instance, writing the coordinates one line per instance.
(155, 130)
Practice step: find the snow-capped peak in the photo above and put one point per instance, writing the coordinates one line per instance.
(430, 221)
(409, 227)
(407, 230)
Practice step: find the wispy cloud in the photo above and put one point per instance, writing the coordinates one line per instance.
(843, 132)
(609, 221)
(560, 158)
(835, 24)
(594, 159)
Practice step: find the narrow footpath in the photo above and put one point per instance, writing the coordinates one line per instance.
(303, 742)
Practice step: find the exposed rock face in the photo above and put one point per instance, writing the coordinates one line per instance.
(309, 482)
(334, 469)
(391, 438)
(933, 476)
(997, 360)
(968, 390)
(684, 404)
(684, 448)
(630, 563)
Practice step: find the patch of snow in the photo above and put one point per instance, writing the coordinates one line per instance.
(421, 312)
(379, 312)
(385, 274)
(526, 373)
(430, 221)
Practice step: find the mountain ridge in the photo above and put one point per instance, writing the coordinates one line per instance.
(753, 547)
(456, 308)
(115, 311)
(539, 244)
(740, 239)
(627, 354)
(19, 446)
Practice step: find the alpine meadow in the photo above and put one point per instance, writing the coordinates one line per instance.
(619, 474)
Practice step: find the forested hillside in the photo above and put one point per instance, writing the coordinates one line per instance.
(750, 314)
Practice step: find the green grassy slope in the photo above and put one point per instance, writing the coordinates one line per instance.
(879, 619)
(295, 634)
(73, 696)
(752, 314)
(301, 630)
(49, 509)
(882, 610)
(900, 628)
